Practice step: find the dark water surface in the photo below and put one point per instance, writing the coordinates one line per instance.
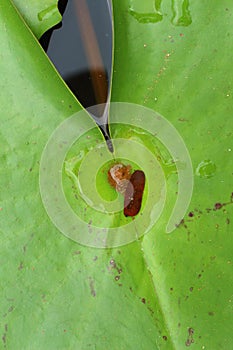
(67, 51)
(82, 51)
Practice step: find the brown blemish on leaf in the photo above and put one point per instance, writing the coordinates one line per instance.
(146, 302)
(151, 310)
(4, 335)
(20, 267)
(11, 308)
(218, 206)
(112, 263)
(165, 337)
(211, 313)
(190, 339)
(29, 240)
(4, 339)
(89, 225)
(182, 223)
(190, 331)
(77, 252)
(92, 287)
(114, 266)
(43, 296)
(183, 120)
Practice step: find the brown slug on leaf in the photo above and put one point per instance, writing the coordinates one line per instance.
(133, 194)
(129, 185)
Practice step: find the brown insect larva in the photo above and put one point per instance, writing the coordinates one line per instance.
(134, 193)
(118, 177)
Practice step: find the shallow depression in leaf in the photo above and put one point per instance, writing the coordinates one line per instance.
(139, 136)
(84, 180)
(107, 192)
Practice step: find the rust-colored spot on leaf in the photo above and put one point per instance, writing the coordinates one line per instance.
(20, 267)
(190, 339)
(218, 206)
(92, 288)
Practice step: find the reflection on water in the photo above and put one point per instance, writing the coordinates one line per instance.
(81, 50)
(66, 47)
(81, 84)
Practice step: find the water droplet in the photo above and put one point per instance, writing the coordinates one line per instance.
(206, 169)
(146, 13)
(47, 13)
(146, 17)
(181, 14)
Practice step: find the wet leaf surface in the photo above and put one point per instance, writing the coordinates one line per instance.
(180, 67)
(163, 291)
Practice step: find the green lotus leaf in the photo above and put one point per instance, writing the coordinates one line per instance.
(162, 291)
(184, 73)
(40, 15)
